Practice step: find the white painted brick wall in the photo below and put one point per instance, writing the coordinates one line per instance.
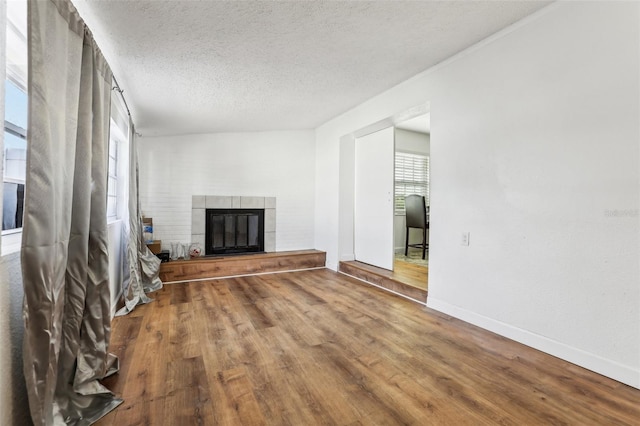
(272, 164)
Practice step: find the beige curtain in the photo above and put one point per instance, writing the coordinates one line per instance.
(143, 267)
(64, 245)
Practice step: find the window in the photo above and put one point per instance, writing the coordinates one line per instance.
(117, 184)
(112, 184)
(411, 177)
(15, 121)
(15, 156)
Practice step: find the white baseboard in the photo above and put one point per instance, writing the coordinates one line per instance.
(608, 368)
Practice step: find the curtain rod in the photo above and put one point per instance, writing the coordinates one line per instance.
(120, 91)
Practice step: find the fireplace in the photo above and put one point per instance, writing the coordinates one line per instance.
(231, 204)
(233, 231)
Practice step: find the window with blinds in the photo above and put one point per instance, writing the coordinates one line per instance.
(411, 177)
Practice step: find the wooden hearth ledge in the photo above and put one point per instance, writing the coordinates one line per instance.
(248, 264)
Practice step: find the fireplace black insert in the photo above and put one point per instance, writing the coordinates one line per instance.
(234, 231)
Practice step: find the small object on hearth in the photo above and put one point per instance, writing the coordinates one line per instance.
(176, 250)
(163, 256)
(195, 250)
(147, 229)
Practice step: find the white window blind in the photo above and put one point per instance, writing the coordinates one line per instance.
(411, 177)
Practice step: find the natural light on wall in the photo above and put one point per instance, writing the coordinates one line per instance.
(15, 125)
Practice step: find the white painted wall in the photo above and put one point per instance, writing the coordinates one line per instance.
(272, 164)
(416, 143)
(535, 152)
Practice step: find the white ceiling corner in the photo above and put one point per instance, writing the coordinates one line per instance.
(225, 66)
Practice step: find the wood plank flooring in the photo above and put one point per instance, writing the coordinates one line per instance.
(317, 347)
(411, 274)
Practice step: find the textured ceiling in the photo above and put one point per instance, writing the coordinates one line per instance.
(223, 66)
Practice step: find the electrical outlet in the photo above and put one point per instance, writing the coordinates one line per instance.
(464, 241)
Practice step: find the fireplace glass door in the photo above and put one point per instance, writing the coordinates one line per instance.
(233, 231)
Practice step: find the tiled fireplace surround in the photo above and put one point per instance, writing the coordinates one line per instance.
(200, 203)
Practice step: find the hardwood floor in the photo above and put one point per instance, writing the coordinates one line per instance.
(317, 347)
(411, 273)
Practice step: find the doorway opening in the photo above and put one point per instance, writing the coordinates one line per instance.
(411, 177)
(383, 238)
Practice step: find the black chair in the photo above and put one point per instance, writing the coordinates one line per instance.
(417, 217)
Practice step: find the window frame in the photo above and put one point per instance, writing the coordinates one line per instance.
(118, 134)
(112, 190)
(420, 186)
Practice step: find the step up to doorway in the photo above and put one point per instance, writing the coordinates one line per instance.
(382, 278)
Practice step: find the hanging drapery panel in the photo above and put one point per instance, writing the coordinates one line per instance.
(64, 243)
(143, 267)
